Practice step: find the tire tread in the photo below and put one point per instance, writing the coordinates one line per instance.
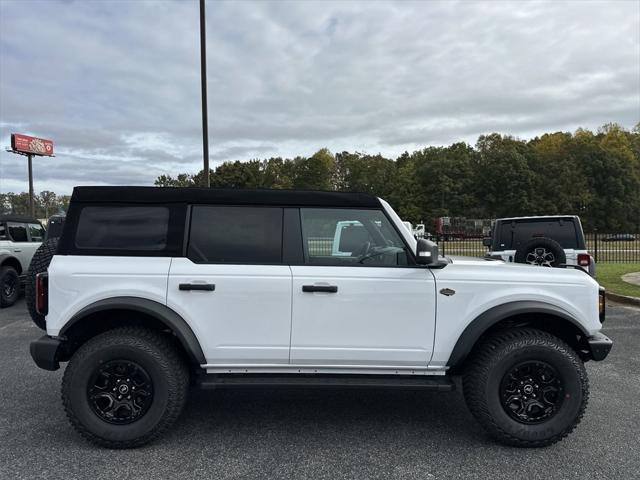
(164, 352)
(479, 366)
(39, 263)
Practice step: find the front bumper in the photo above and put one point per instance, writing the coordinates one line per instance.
(46, 352)
(599, 346)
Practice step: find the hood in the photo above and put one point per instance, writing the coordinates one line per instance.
(499, 268)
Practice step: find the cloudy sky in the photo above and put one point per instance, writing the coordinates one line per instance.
(116, 83)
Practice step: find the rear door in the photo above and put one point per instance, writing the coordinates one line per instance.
(233, 288)
(367, 307)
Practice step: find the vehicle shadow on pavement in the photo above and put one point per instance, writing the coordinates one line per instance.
(308, 416)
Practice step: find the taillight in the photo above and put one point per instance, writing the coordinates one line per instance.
(602, 303)
(42, 293)
(584, 259)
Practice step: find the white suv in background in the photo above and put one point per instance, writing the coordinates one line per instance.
(543, 241)
(153, 288)
(20, 237)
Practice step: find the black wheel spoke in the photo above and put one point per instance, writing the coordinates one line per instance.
(531, 392)
(120, 392)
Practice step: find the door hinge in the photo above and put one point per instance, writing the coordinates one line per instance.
(447, 291)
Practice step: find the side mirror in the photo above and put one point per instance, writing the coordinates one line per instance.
(486, 241)
(426, 252)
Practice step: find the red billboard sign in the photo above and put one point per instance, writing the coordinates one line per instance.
(32, 145)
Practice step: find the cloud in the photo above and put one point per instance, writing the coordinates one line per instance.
(116, 84)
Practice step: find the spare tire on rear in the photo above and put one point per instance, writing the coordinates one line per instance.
(542, 252)
(39, 263)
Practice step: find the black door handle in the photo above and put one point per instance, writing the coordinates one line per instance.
(207, 287)
(320, 288)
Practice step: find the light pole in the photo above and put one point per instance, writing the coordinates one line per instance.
(203, 82)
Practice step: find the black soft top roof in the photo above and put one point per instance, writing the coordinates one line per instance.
(227, 196)
(18, 218)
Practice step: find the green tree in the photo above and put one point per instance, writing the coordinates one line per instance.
(48, 201)
(559, 186)
(182, 180)
(503, 178)
(316, 172)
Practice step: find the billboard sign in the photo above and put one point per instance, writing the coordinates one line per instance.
(33, 145)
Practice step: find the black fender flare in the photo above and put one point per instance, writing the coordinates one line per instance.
(489, 318)
(7, 256)
(160, 312)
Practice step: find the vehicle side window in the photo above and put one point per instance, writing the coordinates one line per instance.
(236, 235)
(350, 237)
(3, 232)
(123, 228)
(36, 232)
(17, 231)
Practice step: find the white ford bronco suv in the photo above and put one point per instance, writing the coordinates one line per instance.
(154, 289)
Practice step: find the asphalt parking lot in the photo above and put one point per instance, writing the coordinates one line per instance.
(318, 434)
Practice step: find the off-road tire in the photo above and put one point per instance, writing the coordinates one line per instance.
(500, 352)
(547, 243)
(157, 354)
(39, 263)
(9, 274)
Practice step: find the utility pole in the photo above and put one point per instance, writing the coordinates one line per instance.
(203, 81)
(31, 209)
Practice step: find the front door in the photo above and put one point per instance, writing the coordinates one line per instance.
(232, 288)
(358, 301)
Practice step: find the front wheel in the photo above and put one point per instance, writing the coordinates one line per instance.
(125, 387)
(526, 387)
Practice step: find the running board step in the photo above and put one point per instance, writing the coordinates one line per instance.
(209, 381)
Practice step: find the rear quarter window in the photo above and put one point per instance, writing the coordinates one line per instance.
(137, 228)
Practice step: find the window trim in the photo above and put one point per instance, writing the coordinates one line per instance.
(190, 223)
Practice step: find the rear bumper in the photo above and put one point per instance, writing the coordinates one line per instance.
(599, 346)
(46, 352)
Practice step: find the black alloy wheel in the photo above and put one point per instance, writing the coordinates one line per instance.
(531, 392)
(9, 286)
(120, 392)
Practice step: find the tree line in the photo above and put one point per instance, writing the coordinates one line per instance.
(592, 174)
(46, 203)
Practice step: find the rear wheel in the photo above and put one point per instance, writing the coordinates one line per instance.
(9, 286)
(526, 387)
(125, 387)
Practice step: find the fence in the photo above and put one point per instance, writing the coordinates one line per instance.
(614, 247)
(605, 247)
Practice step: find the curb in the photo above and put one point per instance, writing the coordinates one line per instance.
(623, 299)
